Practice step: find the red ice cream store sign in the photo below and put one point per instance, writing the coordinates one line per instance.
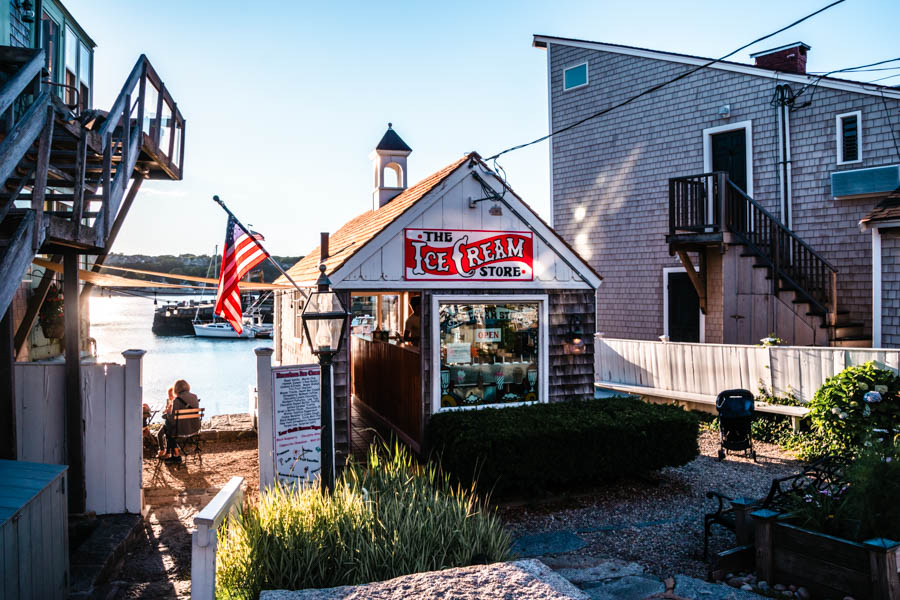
(467, 255)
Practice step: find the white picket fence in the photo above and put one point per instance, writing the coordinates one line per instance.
(707, 369)
(112, 397)
(204, 539)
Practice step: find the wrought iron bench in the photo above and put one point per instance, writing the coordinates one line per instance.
(825, 474)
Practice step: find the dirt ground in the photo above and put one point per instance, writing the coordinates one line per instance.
(656, 521)
(159, 565)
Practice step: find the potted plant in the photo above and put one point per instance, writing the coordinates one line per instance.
(50, 317)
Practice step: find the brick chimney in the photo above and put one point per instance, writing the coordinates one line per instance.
(790, 58)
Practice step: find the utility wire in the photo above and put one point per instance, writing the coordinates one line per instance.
(659, 86)
(887, 114)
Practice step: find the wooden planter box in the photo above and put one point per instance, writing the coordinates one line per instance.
(826, 565)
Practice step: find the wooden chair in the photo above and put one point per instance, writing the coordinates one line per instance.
(187, 430)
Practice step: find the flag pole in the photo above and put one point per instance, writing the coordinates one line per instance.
(268, 255)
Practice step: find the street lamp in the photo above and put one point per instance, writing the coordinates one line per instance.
(324, 321)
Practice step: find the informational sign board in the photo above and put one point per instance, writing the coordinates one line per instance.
(459, 353)
(488, 335)
(298, 423)
(468, 255)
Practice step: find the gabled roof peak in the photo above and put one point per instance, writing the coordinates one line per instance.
(391, 141)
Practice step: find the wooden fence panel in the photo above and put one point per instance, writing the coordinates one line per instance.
(710, 368)
(111, 433)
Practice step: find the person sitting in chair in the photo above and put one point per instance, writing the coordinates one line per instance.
(180, 398)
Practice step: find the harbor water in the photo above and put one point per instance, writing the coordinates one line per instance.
(220, 371)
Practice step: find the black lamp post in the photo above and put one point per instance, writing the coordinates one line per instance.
(324, 321)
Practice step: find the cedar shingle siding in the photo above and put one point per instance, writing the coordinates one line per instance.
(19, 32)
(890, 287)
(616, 169)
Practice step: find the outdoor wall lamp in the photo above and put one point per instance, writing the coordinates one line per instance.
(324, 321)
(27, 8)
(575, 337)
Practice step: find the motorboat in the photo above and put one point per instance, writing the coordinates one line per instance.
(222, 329)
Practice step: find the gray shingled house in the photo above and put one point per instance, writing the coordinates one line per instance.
(727, 206)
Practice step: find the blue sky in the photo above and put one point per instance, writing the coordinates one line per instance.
(284, 101)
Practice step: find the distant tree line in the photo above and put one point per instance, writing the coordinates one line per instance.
(194, 265)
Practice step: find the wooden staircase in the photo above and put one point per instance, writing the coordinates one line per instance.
(67, 177)
(709, 209)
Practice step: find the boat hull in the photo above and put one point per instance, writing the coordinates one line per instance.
(217, 330)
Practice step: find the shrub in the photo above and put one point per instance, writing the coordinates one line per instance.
(573, 442)
(844, 420)
(863, 505)
(389, 519)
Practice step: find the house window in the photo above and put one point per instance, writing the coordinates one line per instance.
(489, 352)
(849, 138)
(575, 77)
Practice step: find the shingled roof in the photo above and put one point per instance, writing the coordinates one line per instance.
(392, 141)
(356, 233)
(886, 210)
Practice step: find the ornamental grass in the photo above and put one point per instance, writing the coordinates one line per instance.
(389, 518)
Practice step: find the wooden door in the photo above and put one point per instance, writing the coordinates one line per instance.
(729, 153)
(684, 309)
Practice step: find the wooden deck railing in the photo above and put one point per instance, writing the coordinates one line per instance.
(204, 539)
(711, 203)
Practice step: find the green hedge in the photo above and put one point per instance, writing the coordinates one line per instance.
(561, 444)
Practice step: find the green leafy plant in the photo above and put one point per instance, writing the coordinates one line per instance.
(845, 419)
(861, 505)
(545, 446)
(384, 520)
(50, 317)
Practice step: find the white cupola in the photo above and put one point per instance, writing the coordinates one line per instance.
(389, 158)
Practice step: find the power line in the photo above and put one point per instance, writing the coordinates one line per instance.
(659, 86)
(887, 114)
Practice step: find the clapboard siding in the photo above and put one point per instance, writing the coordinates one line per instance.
(710, 368)
(112, 428)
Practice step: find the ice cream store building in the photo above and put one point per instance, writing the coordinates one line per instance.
(459, 295)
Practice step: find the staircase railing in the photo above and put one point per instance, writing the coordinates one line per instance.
(144, 118)
(710, 202)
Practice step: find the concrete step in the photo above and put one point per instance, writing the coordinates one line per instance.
(852, 342)
(847, 330)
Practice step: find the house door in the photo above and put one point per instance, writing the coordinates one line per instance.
(684, 309)
(729, 153)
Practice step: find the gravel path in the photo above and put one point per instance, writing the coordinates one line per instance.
(657, 522)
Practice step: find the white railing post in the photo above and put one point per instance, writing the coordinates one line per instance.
(265, 419)
(204, 538)
(133, 430)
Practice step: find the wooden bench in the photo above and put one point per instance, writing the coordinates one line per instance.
(795, 413)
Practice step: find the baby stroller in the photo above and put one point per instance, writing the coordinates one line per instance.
(735, 408)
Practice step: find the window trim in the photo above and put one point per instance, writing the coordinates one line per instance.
(296, 301)
(587, 76)
(840, 138)
(543, 345)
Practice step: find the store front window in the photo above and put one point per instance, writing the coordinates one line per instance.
(489, 353)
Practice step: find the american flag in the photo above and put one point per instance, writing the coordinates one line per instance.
(240, 255)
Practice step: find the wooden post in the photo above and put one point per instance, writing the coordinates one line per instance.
(883, 565)
(834, 294)
(764, 524)
(743, 522)
(134, 400)
(721, 208)
(265, 418)
(142, 89)
(39, 189)
(7, 388)
(204, 540)
(74, 409)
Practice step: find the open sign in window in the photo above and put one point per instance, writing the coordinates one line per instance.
(489, 352)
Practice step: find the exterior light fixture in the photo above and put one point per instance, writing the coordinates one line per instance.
(27, 8)
(575, 337)
(324, 322)
(724, 111)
